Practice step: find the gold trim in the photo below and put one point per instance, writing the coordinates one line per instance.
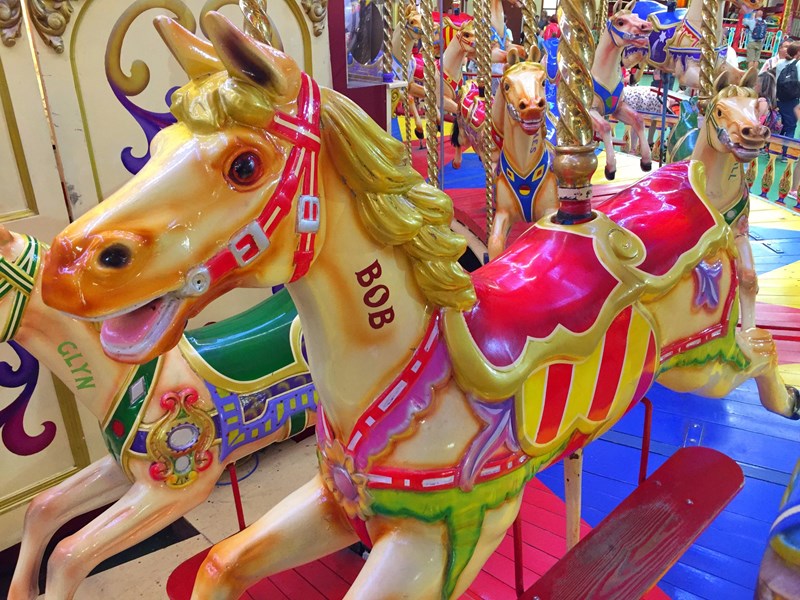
(317, 12)
(77, 445)
(19, 152)
(211, 375)
(620, 251)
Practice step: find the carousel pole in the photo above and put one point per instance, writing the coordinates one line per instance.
(405, 97)
(388, 76)
(440, 43)
(256, 21)
(482, 16)
(529, 24)
(575, 160)
(708, 52)
(432, 117)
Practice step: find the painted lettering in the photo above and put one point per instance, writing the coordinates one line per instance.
(65, 348)
(370, 274)
(84, 383)
(376, 296)
(69, 359)
(381, 318)
(84, 368)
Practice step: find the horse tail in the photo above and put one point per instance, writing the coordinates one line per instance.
(454, 136)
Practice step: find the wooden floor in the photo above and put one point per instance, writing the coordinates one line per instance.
(724, 562)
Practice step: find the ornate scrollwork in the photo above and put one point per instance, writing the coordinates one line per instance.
(317, 11)
(49, 17)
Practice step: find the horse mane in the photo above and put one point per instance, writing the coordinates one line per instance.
(396, 206)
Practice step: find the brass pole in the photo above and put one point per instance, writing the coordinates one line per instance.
(431, 108)
(708, 51)
(484, 59)
(256, 21)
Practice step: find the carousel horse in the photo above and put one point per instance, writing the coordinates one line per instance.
(460, 49)
(623, 29)
(401, 52)
(526, 184)
(171, 425)
(674, 44)
(441, 393)
(779, 575)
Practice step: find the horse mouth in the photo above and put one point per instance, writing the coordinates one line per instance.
(129, 334)
(531, 126)
(743, 153)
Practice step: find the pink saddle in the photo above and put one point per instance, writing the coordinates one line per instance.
(548, 278)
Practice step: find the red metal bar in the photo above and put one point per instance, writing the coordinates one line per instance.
(737, 36)
(519, 574)
(237, 497)
(648, 421)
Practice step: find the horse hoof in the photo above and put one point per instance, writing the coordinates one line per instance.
(456, 165)
(420, 133)
(794, 393)
(646, 166)
(610, 174)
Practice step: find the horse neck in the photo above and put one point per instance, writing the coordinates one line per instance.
(70, 349)
(724, 174)
(694, 15)
(401, 50)
(498, 16)
(453, 59)
(606, 66)
(352, 360)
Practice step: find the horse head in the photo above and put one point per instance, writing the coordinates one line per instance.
(465, 35)
(626, 28)
(240, 121)
(522, 87)
(413, 21)
(732, 123)
(750, 5)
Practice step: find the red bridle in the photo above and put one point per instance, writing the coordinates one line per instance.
(250, 241)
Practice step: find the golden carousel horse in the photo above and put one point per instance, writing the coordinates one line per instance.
(171, 425)
(441, 393)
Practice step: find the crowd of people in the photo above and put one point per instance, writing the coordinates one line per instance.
(779, 87)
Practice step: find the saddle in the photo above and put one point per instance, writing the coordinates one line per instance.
(558, 287)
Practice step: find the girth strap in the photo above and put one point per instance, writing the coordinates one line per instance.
(19, 276)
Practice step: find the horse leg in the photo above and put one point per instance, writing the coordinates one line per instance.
(603, 130)
(307, 525)
(573, 470)
(419, 130)
(748, 280)
(145, 509)
(630, 117)
(501, 225)
(99, 484)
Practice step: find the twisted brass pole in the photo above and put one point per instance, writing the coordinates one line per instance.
(708, 50)
(484, 60)
(406, 96)
(602, 19)
(388, 77)
(575, 160)
(529, 23)
(431, 81)
(256, 21)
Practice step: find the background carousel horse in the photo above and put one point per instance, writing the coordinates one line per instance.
(648, 100)
(779, 575)
(171, 425)
(675, 40)
(623, 29)
(407, 33)
(424, 453)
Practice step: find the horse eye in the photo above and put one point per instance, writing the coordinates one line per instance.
(620, 22)
(245, 169)
(719, 112)
(506, 87)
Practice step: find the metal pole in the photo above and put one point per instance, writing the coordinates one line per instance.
(441, 95)
(665, 86)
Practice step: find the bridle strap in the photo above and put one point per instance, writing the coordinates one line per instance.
(622, 35)
(299, 176)
(18, 276)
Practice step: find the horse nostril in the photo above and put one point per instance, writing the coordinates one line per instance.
(748, 131)
(115, 256)
(523, 105)
(540, 103)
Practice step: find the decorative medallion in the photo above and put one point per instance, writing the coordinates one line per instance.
(178, 443)
(317, 11)
(707, 282)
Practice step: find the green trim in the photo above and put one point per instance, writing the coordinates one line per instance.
(462, 512)
(298, 422)
(724, 349)
(125, 415)
(735, 211)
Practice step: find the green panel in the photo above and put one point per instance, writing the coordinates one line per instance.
(252, 344)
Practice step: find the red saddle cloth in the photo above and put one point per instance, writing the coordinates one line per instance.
(549, 278)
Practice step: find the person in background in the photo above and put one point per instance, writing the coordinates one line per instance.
(758, 33)
(767, 109)
(772, 61)
(552, 30)
(544, 19)
(787, 89)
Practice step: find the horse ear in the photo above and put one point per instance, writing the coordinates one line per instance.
(721, 82)
(617, 7)
(630, 5)
(449, 23)
(749, 78)
(513, 57)
(248, 60)
(195, 56)
(411, 8)
(534, 54)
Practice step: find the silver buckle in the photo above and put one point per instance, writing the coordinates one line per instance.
(248, 243)
(198, 280)
(307, 205)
